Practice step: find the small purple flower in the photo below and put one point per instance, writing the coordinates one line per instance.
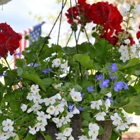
(125, 86)
(4, 74)
(113, 67)
(90, 89)
(45, 71)
(34, 65)
(104, 83)
(71, 107)
(113, 77)
(118, 86)
(80, 108)
(99, 77)
(82, 95)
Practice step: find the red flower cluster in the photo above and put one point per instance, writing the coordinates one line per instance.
(138, 34)
(80, 12)
(101, 13)
(9, 40)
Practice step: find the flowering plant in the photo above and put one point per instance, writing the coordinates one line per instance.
(52, 84)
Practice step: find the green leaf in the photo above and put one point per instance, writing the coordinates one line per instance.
(84, 60)
(85, 123)
(33, 78)
(137, 86)
(115, 135)
(19, 71)
(133, 62)
(20, 63)
(47, 81)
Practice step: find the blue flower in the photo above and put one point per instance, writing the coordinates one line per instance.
(104, 83)
(118, 86)
(80, 108)
(82, 95)
(34, 65)
(45, 71)
(4, 74)
(125, 86)
(99, 77)
(90, 89)
(71, 107)
(113, 77)
(113, 67)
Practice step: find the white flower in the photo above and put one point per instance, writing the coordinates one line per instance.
(41, 116)
(123, 49)
(136, 11)
(64, 102)
(30, 96)
(76, 96)
(71, 138)
(58, 85)
(58, 108)
(36, 107)
(116, 119)
(127, 41)
(11, 134)
(58, 96)
(83, 138)
(124, 9)
(4, 136)
(67, 131)
(100, 116)
(37, 99)
(41, 126)
(50, 110)
(29, 110)
(8, 125)
(93, 131)
(124, 57)
(60, 136)
(32, 130)
(122, 126)
(23, 107)
(52, 100)
(56, 62)
(34, 88)
(69, 115)
(109, 94)
(58, 122)
(75, 111)
(96, 104)
(133, 48)
(64, 66)
(107, 103)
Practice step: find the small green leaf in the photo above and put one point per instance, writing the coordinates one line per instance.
(33, 78)
(47, 81)
(19, 71)
(84, 60)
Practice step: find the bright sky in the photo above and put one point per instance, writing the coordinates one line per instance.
(16, 12)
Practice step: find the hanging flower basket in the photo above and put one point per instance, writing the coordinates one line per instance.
(79, 92)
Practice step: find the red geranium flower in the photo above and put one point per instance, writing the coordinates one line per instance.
(79, 13)
(138, 35)
(9, 40)
(106, 15)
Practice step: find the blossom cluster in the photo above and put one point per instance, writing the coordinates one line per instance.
(57, 109)
(9, 40)
(109, 24)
